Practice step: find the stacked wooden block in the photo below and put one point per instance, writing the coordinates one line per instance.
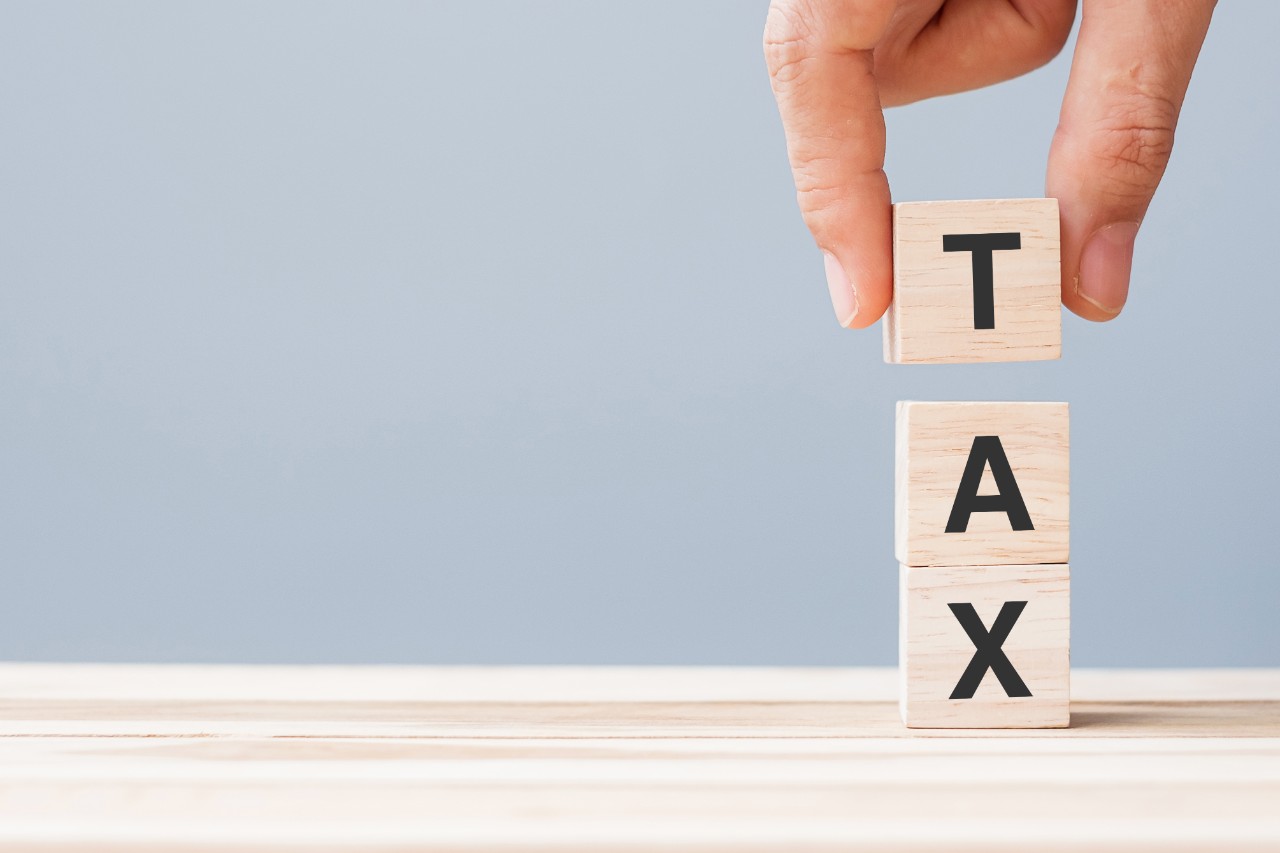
(982, 488)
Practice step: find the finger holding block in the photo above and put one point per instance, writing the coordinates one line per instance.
(985, 646)
(982, 483)
(975, 281)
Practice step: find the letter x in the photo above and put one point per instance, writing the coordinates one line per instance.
(989, 655)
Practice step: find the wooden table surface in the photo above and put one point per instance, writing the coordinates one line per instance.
(131, 757)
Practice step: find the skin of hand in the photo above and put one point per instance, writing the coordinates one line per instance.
(835, 64)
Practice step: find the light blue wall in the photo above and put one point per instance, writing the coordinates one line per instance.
(489, 332)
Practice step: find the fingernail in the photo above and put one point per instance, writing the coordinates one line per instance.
(1105, 265)
(844, 299)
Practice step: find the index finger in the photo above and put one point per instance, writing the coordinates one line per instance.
(820, 61)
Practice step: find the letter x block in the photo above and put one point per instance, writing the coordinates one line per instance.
(985, 646)
(975, 281)
(981, 484)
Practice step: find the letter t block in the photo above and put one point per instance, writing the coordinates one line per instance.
(975, 281)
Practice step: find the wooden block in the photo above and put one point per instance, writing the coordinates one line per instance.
(985, 647)
(982, 484)
(975, 281)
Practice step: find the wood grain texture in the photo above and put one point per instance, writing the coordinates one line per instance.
(933, 445)
(931, 318)
(934, 649)
(203, 758)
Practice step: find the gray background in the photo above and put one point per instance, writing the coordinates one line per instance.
(489, 332)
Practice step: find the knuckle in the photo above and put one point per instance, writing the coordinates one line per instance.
(1044, 31)
(1052, 25)
(789, 34)
(823, 199)
(817, 203)
(814, 187)
(1049, 43)
(1136, 141)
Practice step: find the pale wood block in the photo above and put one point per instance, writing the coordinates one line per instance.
(948, 452)
(985, 646)
(939, 315)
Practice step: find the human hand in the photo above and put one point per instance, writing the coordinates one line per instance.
(836, 63)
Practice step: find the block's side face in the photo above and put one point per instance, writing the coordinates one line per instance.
(1021, 617)
(904, 671)
(946, 516)
(890, 323)
(889, 341)
(901, 476)
(933, 315)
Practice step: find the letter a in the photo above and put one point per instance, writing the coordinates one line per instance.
(987, 450)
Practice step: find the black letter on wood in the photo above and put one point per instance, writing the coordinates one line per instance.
(988, 654)
(982, 245)
(987, 450)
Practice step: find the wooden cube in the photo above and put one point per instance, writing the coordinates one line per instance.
(985, 646)
(975, 281)
(982, 484)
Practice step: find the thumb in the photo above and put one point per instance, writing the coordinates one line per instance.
(1132, 64)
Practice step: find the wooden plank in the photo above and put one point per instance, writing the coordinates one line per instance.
(404, 758)
(1134, 719)
(266, 682)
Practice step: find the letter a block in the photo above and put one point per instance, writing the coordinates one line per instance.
(985, 646)
(982, 484)
(975, 281)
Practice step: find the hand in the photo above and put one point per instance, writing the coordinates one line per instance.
(836, 63)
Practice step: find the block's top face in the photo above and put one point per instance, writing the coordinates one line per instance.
(939, 316)
(953, 458)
